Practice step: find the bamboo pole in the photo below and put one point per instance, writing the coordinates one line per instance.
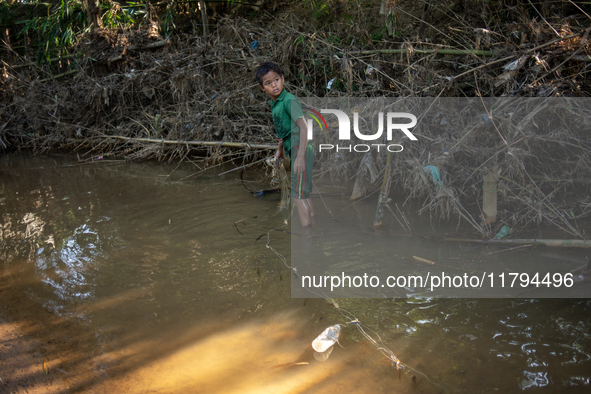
(59, 75)
(52, 60)
(203, 9)
(573, 243)
(489, 198)
(517, 54)
(199, 143)
(377, 222)
(423, 51)
(582, 58)
(153, 45)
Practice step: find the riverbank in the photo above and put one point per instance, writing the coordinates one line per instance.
(502, 104)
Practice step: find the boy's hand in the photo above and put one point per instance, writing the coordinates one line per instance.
(299, 165)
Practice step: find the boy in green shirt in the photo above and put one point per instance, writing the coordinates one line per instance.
(291, 128)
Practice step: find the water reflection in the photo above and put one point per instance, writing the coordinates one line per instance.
(144, 275)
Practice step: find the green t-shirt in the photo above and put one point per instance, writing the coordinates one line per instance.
(286, 111)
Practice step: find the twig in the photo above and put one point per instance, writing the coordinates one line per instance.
(237, 229)
(517, 55)
(325, 206)
(395, 217)
(422, 260)
(509, 250)
(544, 19)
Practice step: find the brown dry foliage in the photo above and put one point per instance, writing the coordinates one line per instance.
(203, 89)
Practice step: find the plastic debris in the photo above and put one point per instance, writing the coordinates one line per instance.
(327, 339)
(516, 64)
(329, 84)
(254, 46)
(434, 171)
(503, 232)
(487, 120)
(511, 71)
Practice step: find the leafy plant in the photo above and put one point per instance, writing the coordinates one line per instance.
(115, 16)
(320, 9)
(56, 31)
(5, 12)
(167, 21)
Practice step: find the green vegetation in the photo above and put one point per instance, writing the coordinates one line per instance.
(57, 31)
(44, 30)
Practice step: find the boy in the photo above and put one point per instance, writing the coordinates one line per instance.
(292, 131)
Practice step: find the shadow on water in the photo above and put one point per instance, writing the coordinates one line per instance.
(130, 281)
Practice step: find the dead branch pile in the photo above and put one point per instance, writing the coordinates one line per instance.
(197, 96)
(537, 151)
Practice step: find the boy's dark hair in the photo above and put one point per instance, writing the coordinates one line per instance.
(264, 69)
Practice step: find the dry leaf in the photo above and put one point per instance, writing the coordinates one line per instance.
(46, 365)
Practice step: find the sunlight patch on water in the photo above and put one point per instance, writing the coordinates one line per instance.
(252, 357)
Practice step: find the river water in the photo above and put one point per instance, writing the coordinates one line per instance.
(157, 278)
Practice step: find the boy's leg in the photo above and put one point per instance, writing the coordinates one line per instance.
(312, 211)
(301, 184)
(303, 207)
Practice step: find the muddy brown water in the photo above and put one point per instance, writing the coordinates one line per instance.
(140, 278)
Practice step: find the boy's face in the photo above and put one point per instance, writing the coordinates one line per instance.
(272, 84)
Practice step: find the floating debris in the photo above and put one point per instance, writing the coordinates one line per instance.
(290, 364)
(327, 339)
(46, 365)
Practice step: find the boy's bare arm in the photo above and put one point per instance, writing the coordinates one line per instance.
(280, 153)
(300, 163)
